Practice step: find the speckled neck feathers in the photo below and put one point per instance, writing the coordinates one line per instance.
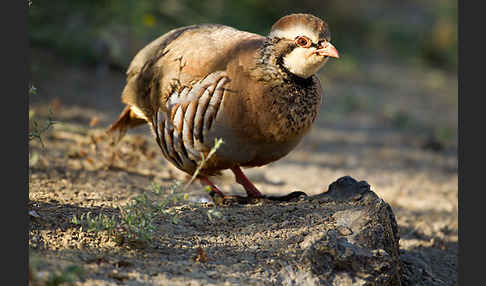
(295, 101)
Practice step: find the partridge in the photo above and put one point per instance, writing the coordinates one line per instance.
(198, 83)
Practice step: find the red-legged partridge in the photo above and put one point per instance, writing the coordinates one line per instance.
(202, 82)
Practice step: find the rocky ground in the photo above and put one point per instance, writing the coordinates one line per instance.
(391, 125)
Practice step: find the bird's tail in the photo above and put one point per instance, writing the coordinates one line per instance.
(127, 120)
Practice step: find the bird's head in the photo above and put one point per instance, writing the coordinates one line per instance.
(302, 44)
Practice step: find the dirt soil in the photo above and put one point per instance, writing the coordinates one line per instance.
(380, 122)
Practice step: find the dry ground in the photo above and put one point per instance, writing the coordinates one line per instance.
(391, 125)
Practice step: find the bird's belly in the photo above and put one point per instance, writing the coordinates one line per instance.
(247, 152)
(268, 153)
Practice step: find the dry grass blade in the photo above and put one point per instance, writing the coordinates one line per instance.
(217, 144)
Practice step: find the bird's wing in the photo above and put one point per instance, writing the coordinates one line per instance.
(180, 58)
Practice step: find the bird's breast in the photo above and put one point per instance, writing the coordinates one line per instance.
(290, 110)
(261, 125)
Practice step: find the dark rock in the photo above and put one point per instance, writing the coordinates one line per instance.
(346, 188)
(362, 246)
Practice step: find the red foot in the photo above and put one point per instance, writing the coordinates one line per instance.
(213, 187)
(251, 190)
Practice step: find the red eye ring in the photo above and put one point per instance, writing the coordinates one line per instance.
(303, 41)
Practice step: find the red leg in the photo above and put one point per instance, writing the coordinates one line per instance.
(251, 190)
(213, 187)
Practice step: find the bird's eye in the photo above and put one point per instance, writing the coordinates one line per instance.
(303, 41)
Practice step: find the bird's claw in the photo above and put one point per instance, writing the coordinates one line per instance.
(288, 197)
(235, 199)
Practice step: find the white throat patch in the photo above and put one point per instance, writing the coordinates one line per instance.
(303, 62)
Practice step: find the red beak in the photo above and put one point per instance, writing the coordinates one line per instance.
(328, 50)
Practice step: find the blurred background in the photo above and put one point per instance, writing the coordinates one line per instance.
(111, 32)
(398, 59)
